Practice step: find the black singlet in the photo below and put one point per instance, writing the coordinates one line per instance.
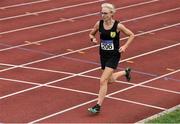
(109, 39)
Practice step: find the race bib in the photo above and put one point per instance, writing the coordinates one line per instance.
(107, 45)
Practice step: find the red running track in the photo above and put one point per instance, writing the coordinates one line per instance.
(45, 88)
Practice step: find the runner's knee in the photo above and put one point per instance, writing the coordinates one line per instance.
(103, 81)
(112, 79)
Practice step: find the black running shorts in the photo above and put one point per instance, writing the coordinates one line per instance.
(110, 61)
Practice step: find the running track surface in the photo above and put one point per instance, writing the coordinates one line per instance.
(49, 70)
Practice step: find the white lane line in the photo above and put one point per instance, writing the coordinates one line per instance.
(83, 31)
(38, 86)
(22, 4)
(49, 10)
(66, 7)
(93, 77)
(144, 82)
(63, 20)
(138, 103)
(154, 14)
(84, 72)
(109, 95)
(18, 81)
(159, 29)
(82, 75)
(59, 55)
(160, 89)
(122, 82)
(85, 92)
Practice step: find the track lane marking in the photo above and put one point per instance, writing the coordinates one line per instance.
(108, 95)
(74, 18)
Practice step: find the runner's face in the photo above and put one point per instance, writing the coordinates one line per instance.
(106, 14)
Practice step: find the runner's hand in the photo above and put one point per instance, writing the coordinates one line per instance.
(122, 49)
(94, 41)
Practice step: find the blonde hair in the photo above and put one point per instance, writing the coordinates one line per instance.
(109, 6)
